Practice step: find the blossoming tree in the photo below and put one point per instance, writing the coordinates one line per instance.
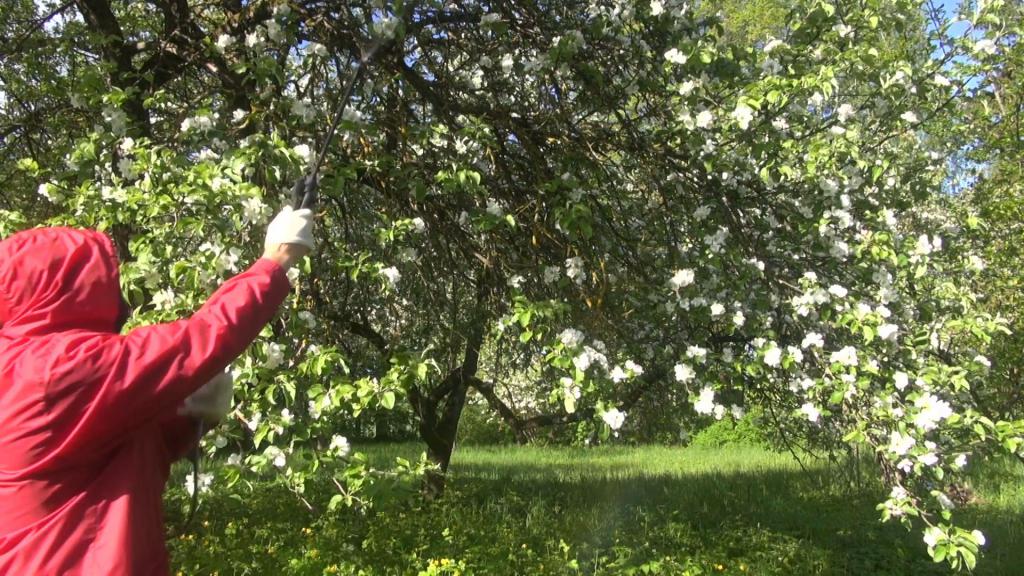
(592, 198)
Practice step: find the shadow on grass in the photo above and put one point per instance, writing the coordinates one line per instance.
(780, 521)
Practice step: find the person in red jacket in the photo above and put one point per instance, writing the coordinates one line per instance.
(90, 419)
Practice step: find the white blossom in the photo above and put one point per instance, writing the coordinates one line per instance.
(900, 379)
(633, 367)
(317, 49)
(304, 152)
(772, 44)
(975, 263)
(696, 352)
(838, 291)
(392, 275)
(674, 56)
(847, 356)
(277, 456)
(810, 411)
(681, 279)
(274, 31)
(614, 418)
(899, 443)
(684, 373)
(570, 388)
(340, 445)
(494, 208)
(204, 481)
(795, 353)
(985, 46)
(932, 411)
(932, 535)
(743, 115)
(888, 332)
(618, 374)
(845, 112)
(705, 403)
(255, 39)
(308, 317)
(164, 299)
(551, 273)
(253, 423)
(117, 119)
(303, 109)
(254, 211)
(813, 339)
(49, 191)
(574, 269)
(704, 119)
(225, 41)
(571, 337)
(275, 356)
(719, 411)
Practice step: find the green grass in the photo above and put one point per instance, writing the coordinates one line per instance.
(610, 510)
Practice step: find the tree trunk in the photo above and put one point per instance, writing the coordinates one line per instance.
(439, 426)
(440, 410)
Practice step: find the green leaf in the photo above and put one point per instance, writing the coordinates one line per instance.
(387, 400)
(569, 401)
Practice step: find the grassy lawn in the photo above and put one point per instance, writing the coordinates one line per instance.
(609, 510)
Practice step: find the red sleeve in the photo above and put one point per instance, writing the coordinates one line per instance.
(181, 435)
(150, 371)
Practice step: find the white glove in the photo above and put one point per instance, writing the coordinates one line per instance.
(212, 402)
(290, 226)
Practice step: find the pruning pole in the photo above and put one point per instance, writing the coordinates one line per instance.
(304, 194)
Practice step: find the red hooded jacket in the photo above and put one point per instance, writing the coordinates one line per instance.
(88, 424)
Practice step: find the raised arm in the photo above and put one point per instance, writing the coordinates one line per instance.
(146, 374)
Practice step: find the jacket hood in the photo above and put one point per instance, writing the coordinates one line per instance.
(57, 279)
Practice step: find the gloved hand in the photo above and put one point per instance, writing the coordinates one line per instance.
(212, 402)
(290, 226)
(304, 192)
